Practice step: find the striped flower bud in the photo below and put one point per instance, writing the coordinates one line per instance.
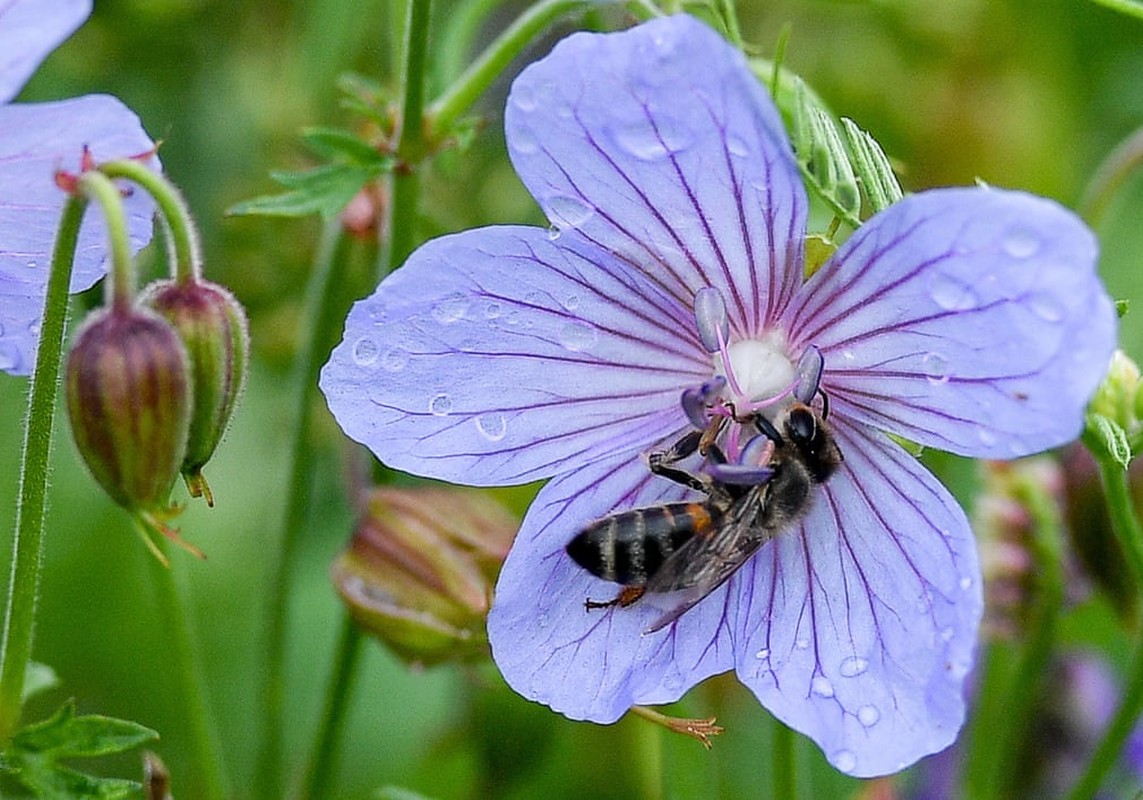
(128, 397)
(419, 570)
(212, 326)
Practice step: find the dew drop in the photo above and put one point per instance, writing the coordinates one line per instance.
(524, 140)
(365, 351)
(395, 359)
(1021, 243)
(853, 666)
(524, 96)
(737, 147)
(571, 302)
(987, 436)
(1046, 307)
(553, 232)
(763, 654)
(965, 583)
(577, 336)
(493, 310)
(801, 643)
(845, 760)
(32, 265)
(568, 212)
(936, 368)
(821, 686)
(946, 634)
(952, 294)
(450, 310)
(868, 716)
(649, 143)
(440, 405)
(492, 427)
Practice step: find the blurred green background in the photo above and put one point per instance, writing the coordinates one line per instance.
(1021, 93)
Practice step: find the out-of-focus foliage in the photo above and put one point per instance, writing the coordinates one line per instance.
(1026, 93)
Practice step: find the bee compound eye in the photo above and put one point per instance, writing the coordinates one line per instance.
(801, 425)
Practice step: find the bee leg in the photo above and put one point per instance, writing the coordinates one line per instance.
(627, 595)
(660, 462)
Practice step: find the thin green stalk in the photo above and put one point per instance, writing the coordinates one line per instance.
(323, 764)
(120, 284)
(1048, 557)
(783, 760)
(184, 237)
(1130, 533)
(28, 539)
(205, 752)
(647, 755)
(729, 16)
(459, 98)
(319, 319)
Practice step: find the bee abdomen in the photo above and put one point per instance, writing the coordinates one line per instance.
(628, 548)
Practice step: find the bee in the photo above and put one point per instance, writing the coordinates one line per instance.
(693, 547)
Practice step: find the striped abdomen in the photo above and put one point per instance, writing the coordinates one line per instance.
(629, 547)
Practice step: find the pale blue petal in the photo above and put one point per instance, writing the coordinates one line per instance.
(858, 628)
(36, 139)
(966, 319)
(596, 664)
(659, 145)
(501, 356)
(29, 30)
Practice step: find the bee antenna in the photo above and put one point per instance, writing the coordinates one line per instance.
(825, 403)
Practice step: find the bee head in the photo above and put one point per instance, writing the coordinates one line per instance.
(811, 438)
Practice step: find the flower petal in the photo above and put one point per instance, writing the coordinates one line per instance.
(858, 629)
(595, 664)
(967, 319)
(36, 139)
(501, 356)
(29, 30)
(661, 146)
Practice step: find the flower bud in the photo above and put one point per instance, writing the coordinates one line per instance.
(419, 570)
(212, 326)
(128, 397)
(1116, 396)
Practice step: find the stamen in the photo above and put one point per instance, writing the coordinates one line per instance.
(808, 374)
(710, 318)
(739, 474)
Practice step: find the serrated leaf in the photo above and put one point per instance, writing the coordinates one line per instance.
(39, 678)
(65, 735)
(48, 780)
(878, 181)
(342, 146)
(325, 190)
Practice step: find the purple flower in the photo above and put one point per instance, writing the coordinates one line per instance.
(965, 319)
(36, 139)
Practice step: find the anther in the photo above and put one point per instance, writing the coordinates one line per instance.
(808, 374)
(710, 318)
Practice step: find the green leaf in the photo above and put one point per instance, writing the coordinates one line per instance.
(324, 190)
(33, 755)
(1107, 439)
(344, 147)
(1132, 8)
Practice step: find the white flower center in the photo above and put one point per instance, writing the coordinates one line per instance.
(760, 368)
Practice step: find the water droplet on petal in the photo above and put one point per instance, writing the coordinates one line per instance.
(524, 140)
(395, 359)
(965, 583)
(1021, 243)
(936, 368)
(987, 437)
(571, 302)
(568, 212)
(868, 716)
(553, 232)
(821, 686)
(737, 147)
(952, 294)
(492, 427)
(523, 96)
(577, 336)
(763, 654)
(853, 666)
(648, 143)
(1046, 307)
(440, 405)
(845, 760)
(493, 310)
(32, 265)
(450, 310)
(946, 634)
(801, 643)
(365, 351)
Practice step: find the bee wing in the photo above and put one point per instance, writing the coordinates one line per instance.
(707, 560)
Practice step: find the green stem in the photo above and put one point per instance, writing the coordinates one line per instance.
(1130, 533)
(120, 286)
(1024, 689)
(459, 98)
(729, 16)
(1132, 8)
(185, 241)
(783, 760)
(647, 755)
(321, 314)
(205, 754)
(323, 764)
(411, 147)
(28, 539)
